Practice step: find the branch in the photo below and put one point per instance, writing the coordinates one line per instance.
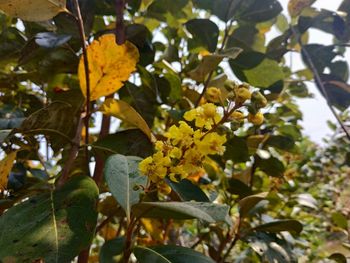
(319, 82)
(72, 154)
(84, 255)
(120, 28)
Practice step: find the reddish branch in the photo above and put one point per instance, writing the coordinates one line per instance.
(106, 121)
(120, 28)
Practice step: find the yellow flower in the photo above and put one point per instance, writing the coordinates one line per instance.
(193, 160)
(213, 94)
(212, 143)
(155, 167)
(204, 116)
(181, 134)
(175, 153)
(159, 145)
(256, 119)
(177, 173)
(146, 165)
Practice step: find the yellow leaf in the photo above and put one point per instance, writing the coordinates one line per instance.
(109, 65)
(122, 110)
(5, 169)
(296, 6)
(33, 10)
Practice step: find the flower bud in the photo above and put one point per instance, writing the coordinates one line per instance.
(213, 94)
(242, 94)
(256, 119)
(164, 188)
(237, 116)
(258, 99)
(235, 125)
(231, 96)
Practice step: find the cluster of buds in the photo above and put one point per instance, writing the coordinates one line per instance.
(242, 96)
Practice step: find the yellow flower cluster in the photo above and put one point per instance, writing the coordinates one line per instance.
(185, 149)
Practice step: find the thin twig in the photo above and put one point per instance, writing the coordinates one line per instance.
(234, 241)
(80, 22)
(72, 154)
(319, 82)
(207, 82)
(84, 255)
(206, 85)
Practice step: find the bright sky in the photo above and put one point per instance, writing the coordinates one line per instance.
(315, 110)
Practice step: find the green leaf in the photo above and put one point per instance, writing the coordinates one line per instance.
(237, 150)
(210, 63)
(169, 254)
(53, 226)
(56, 122)
(291, 131)
(145, 255)
(281, 142)
(3, 135)
(320, 55)
(247, 203)
(225, 9)
(175, 86)
(267, 73)
(203, 4)
(205, 33)
(245, 37)
(290, 225)
(12, 41)
(141, 37)
(340, 220)
(160, 8)
(338, 257)
(123, 179)
(237, 187)
(187, 191)
(127, 142)
(207, 212)
(258, 11)
(110, 249)
(143, 101)
(271, 166)
(338, 91)
(298, 89)
(271, 248)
